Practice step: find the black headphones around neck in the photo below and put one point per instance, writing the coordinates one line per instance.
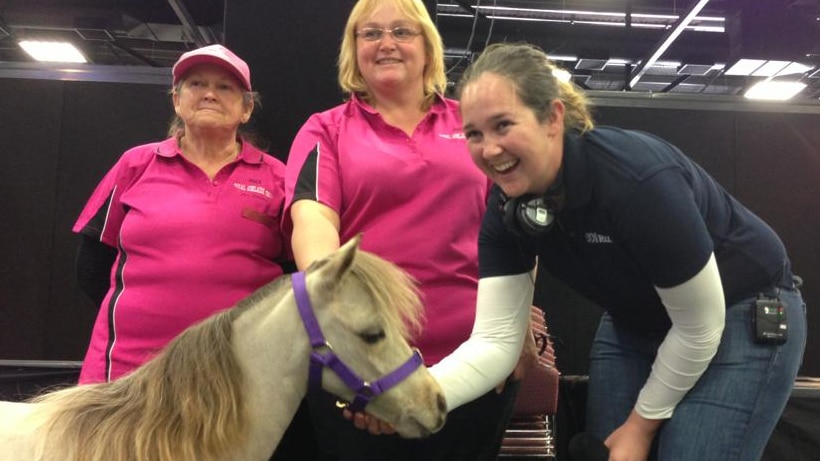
(532, 214)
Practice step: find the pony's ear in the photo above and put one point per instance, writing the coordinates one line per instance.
(334, 267)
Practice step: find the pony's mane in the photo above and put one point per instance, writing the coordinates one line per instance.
(186, 403)
(394, 292)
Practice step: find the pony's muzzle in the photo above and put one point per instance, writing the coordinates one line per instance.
(442, 408)
(428, 423)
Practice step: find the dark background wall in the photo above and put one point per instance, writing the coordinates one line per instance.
(57, 138)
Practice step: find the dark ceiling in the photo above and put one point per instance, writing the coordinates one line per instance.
(610, 50)
(113, 32)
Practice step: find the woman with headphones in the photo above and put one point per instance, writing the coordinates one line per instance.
(704, 328)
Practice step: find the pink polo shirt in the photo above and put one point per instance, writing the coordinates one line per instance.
(188, 247)
(418, 200)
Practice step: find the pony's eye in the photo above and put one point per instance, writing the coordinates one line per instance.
(372, 338)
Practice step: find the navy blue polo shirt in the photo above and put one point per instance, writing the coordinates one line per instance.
(638, 214)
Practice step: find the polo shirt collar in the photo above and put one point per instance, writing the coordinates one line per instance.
(438, 106)
(168, 148)
(248, 154)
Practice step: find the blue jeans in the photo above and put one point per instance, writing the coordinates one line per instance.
(730, 413)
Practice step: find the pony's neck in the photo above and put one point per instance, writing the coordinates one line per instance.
(273, 351)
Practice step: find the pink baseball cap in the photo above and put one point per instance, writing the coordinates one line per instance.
(217, 55)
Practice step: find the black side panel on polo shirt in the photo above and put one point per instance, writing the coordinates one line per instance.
(307, 183)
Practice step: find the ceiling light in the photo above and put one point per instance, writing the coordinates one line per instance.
(583, 17)
(770, 69)
(600, 23)
(764, 68)
(774, 90)
(718, 29)
(744, 67)
(794, 68)
(618, 62)
(52, 51)
(516, 18)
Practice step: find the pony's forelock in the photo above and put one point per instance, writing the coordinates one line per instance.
(394, 292)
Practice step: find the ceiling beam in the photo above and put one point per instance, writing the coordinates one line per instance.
(667, 40)
(469, 8)
(674, 83)
(188, 25)
(134, 54)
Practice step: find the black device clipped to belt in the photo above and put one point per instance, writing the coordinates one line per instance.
(770, 320)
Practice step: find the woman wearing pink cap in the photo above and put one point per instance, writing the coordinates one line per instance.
(181, 228)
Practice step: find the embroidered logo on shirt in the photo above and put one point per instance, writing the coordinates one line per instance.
(251, 189)
(456, 135)
(594, 237)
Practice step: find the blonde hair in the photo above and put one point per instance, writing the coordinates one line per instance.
(531, 72)
(350, 76)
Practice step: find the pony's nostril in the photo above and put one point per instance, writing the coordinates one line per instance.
(442, 405)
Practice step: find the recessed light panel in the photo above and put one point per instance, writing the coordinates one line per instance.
(52, 51)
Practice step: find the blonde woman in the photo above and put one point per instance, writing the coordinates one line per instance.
(391, 163)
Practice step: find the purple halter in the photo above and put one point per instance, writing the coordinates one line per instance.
(364, 391)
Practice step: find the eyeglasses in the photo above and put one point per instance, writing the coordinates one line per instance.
(399, 34)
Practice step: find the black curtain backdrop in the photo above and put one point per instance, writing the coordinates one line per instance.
(57, 139)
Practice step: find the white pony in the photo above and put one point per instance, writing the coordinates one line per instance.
(227, 388)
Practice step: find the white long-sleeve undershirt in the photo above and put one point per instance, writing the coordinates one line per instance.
(697, 309)
(490, 354)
